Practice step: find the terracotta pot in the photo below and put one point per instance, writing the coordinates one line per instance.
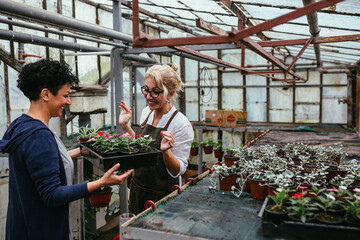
(258, 189)
(333, 171)
(271, 189)
(337, 159)
(230, 160)
(194, 151)
(100, 198)
(84, 140)
(227, 182)
(218, 153)
(208, 150)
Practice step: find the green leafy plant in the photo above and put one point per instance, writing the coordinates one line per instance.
(143, 141)
(218, 145)
(328, 203)
(353, 206)
(301, 207)
(194, 143)
(279, 199)
(208, 142)
(87, 132)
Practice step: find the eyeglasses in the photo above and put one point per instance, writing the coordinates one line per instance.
(153, 94)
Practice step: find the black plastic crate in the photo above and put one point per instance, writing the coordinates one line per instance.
(297, 230)
(127, 161)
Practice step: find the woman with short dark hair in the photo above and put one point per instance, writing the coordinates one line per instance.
(41, 170)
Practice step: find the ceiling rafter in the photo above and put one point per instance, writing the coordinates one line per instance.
(292, 8)
(304, 24)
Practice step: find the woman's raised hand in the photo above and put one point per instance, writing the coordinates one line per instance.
(167, 140)
(125, 114)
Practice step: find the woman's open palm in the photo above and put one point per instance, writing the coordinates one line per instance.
(125, 114)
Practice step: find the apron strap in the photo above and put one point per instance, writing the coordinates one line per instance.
(144, 123)
(171, 118)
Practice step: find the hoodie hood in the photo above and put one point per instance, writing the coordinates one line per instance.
(19, 130)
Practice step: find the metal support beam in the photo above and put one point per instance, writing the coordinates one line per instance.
(27, 12)
(312, 19)
(299, 54)
(140, 41)
(262, 52)
(302, 41)
(43, 41)
(201, 23)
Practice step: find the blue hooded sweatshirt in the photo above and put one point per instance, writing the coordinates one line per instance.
(38, 196)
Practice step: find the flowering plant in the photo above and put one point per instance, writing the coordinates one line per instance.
(328, 203)
(301, 207)
(143, 141)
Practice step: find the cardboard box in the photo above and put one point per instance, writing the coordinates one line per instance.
(225, 118)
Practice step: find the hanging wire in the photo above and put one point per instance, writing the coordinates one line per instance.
(206, 88)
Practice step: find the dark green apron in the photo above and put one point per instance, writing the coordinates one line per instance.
(154, 182)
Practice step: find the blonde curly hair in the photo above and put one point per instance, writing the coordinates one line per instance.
(166, 78)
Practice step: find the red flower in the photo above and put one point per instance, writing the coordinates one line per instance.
(107, 135)
(100, 133)
(118, 135)
(297, 195)
(141, 135)
(137, 135)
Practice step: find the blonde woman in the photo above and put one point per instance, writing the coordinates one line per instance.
(171, 130)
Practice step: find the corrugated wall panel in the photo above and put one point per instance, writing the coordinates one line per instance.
(281, 103)
(333, 111)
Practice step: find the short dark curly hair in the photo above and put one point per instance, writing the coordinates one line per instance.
(45, 73)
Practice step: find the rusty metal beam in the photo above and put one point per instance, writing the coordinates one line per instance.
(251, 44)
(299, 54)
(201, 23)
(242, 17)
(195, 53)
(290, 7)
(302, 41)
(138, 42)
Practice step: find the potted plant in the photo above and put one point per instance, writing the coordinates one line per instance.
(227, 176)
(101, 196)
(301, 209)
(208, 145)
(276, 212)
(194, 151)
(331, 209)
(232, 155)
(353, 208)
(86, 133)
(218, 151)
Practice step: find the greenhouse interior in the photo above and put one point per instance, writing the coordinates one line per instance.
(208, 119)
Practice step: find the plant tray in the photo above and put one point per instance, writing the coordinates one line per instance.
(296, 230)
(127, 161)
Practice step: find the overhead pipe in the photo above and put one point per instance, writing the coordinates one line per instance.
(23, 11)
(48, 42)
(61, 33)
(314, 29)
